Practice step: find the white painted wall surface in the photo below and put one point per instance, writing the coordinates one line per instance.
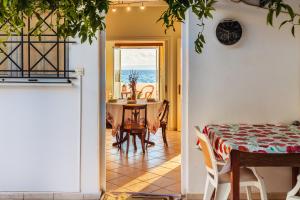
(255, 81)
(40, 132)
(39, 138)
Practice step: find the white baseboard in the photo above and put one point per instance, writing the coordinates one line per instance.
(48, 196)
(271, 196)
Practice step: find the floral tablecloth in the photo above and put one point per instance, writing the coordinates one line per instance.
(114, 112)
(266, 138)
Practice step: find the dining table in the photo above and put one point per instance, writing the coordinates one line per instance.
(255, 145)
(114, 113)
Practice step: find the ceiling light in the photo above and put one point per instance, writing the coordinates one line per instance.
(142, 7)
(114, 9)
(128, 8)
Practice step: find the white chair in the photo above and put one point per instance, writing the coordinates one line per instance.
(292, 194)
(219, 181)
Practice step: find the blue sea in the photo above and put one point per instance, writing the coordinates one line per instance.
(145, 76)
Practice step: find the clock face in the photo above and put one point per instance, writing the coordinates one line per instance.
(229, 32)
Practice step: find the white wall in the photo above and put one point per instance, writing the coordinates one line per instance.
(40, 132)
(255, 81)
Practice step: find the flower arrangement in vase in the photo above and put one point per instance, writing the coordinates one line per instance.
(133, 78)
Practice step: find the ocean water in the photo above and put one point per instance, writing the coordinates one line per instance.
(145, 76)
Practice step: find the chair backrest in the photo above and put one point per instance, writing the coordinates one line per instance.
(208, 153)
(134, 115)
(148, 90)
(164, 114)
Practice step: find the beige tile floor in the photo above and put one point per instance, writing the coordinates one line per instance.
(157, 171)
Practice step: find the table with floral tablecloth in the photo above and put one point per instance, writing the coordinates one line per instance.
(255, 145)
(260, 138)
(114, 112)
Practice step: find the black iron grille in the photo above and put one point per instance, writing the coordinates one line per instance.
(27, 56)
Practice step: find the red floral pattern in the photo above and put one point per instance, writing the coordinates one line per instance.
(257, 138)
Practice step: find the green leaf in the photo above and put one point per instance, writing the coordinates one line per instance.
(293, 31)
(270, 17)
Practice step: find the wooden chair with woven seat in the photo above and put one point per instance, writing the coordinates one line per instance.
(163, 118)
(218, 180)
(135, 124)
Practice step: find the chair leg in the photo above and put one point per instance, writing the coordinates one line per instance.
(134, 141)
(143, 141)
(262, 190)
(209, 189)
(164, 135)
(128, 142)
(148, 139)
(222, 191)
(248, 192)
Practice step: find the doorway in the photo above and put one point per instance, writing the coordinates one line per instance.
(158, 170)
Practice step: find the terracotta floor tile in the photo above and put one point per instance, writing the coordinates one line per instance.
(112, 175)
(147, 176)
(124, 181)
(158, 170)
(161, 181)
(174, 188)
(143, 187)
(162, 191)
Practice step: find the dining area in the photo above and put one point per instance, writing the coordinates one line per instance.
(139, 118)
(142, 156)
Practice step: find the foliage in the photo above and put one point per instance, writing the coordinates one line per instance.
(86, 17)
(133, 77)
(203, 9)
(82, 17)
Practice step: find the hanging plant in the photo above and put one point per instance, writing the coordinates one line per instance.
(73, 17)
(203, 9)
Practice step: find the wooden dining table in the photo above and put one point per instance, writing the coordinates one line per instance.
(261, 145)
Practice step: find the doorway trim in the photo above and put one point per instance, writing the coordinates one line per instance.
(184, 111)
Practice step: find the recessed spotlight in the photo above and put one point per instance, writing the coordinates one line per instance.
(142, 7)
(114, 9)
(128, 8)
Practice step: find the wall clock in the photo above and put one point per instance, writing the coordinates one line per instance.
(229, 32)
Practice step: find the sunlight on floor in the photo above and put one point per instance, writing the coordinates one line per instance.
(151, 181)
(157, 171)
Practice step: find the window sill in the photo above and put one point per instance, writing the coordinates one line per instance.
(33, 82)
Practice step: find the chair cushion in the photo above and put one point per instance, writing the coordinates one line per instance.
(245, 175)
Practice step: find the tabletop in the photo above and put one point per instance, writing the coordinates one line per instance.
(260, 138)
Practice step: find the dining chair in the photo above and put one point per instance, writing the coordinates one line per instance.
(134, 123)
(293, 194)
(147, 90)
(219, 182)
(163, 118)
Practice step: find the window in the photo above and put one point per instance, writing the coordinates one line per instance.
(144, 60)
(27, 56)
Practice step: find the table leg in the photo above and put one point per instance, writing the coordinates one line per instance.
(295, 173)
(235, 175)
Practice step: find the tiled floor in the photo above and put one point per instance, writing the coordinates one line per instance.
(157, 171)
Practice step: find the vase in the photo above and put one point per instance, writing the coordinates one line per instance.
(133, 91)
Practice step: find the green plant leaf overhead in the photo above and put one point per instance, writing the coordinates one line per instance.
(86, 17)
(82, 17)
(204, 9)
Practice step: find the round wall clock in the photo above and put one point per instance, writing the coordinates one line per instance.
(229, 32)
